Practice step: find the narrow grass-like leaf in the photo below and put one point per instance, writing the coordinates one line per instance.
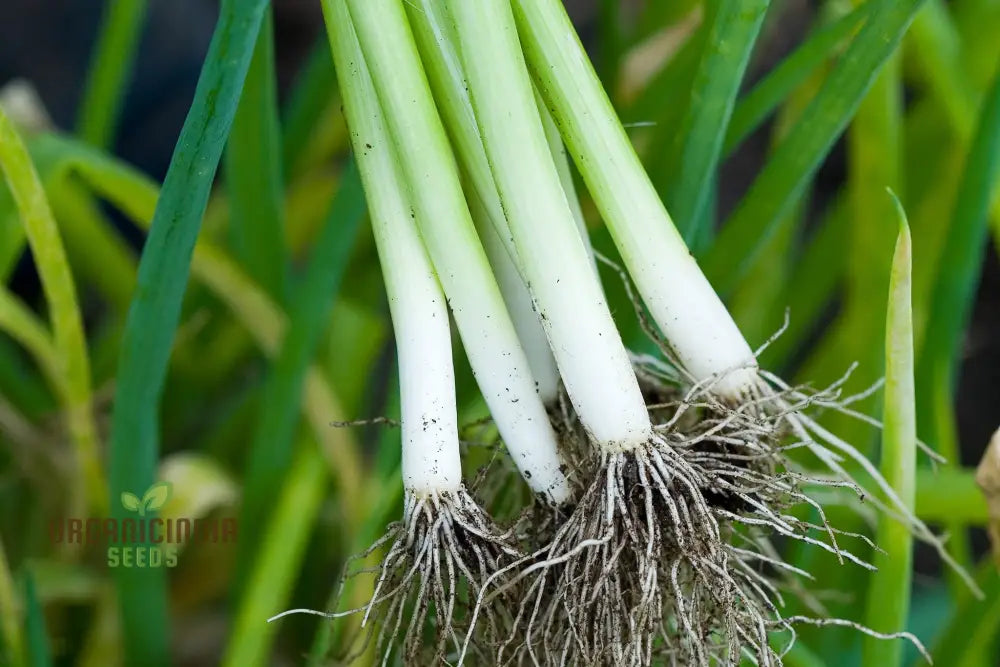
(786, 174)
(12, 647)
(811, 284)
(23, 326)
(155, 310)
(259, 315)
(253, 173)
(64, 311)
(937, 50)
(96, 253)
(282, 546)
(110, 71)
(889, 590)
(270, 451)
(61, 158)
(610, 42)
(754, 107)
(20, 384)
(136, 196)
(950, 495)
(35, 633)
(961, 262)
(954, 293)
(314, 90)
(99, 256)
(970, 639)
(735, 26)
(874, 162)
(11, 233)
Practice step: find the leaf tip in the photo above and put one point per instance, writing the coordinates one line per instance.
(904, 225)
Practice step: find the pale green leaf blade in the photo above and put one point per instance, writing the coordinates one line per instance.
(889, 590)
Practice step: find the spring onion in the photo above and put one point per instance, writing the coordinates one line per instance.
(431, 178)
(663, 548)
(679, 297)
(442, 524)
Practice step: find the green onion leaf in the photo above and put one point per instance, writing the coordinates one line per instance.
(314, 90)
(889, 590)
(155, 310)
(253, 173)
(110, 71)
(754, 107)
(736, 24)
(39, 654)
(798, 157)
(67, 322)
(270, 451)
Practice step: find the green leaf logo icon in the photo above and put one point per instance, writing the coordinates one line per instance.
(155, 497)
(130, 501)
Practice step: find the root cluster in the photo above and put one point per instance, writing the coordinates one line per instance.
(641, 541)
(665, 557)
(438, 559)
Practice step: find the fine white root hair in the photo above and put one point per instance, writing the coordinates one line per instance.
(782, 409)
(643, 558)
(787, 623)
(437, 560)
(668, 555)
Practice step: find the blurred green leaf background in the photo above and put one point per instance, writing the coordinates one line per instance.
(204, 324)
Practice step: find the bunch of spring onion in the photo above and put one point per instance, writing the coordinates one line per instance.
(672, 474)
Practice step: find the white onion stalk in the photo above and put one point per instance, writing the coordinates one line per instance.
(561, 159)
(431, 181)
(436, 42)
(653, 515)
(509, 277)
(434, 35)
(444, 534)
(591, 357)
(644, 503)
(682, 302)
(519, 304)
(431, 459)
(685, 307)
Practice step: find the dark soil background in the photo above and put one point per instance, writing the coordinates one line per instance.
(49, 41)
